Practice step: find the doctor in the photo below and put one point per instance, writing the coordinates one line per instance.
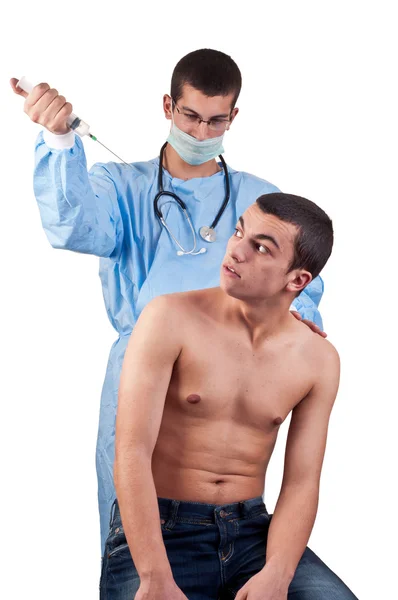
(149, 242)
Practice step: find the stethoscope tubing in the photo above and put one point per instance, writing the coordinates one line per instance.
(162, 192)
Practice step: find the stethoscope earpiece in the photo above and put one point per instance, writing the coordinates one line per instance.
(182, 253)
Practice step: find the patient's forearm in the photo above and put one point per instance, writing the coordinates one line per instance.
(290, 528)
(139, 510)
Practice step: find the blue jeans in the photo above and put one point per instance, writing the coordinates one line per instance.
(213, 551)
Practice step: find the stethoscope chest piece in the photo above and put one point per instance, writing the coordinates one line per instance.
(208, 234)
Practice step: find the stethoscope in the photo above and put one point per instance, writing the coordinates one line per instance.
(207, 233)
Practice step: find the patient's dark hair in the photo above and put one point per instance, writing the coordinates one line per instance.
(314, 240)
(211, 72)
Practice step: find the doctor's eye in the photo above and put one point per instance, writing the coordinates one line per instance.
(238, 233)
(190, 118)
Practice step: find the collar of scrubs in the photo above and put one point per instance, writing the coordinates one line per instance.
(176, 180)
(201, 188)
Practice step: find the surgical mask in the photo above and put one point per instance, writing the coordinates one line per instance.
(193, 151)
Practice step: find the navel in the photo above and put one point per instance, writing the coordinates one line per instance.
(194, 398)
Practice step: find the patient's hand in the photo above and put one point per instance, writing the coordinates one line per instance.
(265, 585)
(158, 589)
(309, 323)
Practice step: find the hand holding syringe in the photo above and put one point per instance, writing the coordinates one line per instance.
(45, 106)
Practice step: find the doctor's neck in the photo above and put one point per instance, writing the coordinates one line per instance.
(178, 168)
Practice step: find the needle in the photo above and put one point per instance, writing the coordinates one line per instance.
(106, 148)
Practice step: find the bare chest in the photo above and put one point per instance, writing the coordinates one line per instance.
(221, 379)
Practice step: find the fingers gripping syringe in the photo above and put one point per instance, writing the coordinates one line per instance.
(73, 121)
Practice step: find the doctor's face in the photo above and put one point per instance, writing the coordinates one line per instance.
(194, 106)
(258, 258)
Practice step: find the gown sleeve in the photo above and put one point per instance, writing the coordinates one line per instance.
(79, 210)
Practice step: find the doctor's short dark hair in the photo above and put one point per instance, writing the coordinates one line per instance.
(210, 71)
(314, 240)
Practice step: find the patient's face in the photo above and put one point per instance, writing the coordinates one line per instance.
(260, 252)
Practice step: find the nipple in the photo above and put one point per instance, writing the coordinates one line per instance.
(193, 398)
(278, 421)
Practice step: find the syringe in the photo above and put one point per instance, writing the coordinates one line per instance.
(73, 121)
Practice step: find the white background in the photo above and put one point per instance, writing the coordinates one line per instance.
(318, 118)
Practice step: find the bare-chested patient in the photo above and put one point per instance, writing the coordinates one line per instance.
(210, 375)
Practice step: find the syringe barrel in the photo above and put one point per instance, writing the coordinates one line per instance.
(74, 122)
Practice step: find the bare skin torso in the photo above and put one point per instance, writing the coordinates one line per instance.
(226, 401)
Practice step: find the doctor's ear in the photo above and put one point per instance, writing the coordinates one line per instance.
(167, 106)
(299, 281)
(234, 112)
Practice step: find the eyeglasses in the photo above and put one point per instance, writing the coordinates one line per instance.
(219, 125)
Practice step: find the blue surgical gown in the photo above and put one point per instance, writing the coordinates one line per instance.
(108, 212)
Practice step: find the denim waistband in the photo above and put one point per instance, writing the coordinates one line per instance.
(183, 509)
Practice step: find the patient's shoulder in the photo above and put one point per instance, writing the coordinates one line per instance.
(324, 354)
(312, 347)
(180, 304)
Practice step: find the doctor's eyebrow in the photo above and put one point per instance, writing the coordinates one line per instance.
(261, 236)
(198, 115)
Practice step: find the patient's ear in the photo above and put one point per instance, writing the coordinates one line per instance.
(300, 279)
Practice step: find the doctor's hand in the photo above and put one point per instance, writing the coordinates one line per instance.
(309, 324)
(45, 106)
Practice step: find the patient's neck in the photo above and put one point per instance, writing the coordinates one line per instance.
(262, 318)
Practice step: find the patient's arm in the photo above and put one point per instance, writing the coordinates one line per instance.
(153, 348)
(296, 509)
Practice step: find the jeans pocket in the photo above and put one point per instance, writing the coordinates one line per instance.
(116, 542)
(119, 549)
(264, 517)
